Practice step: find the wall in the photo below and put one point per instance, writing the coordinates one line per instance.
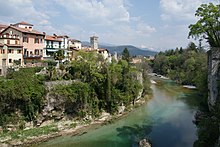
(213, 76)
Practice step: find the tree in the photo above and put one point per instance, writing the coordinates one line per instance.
(208, 25)
(59, 55)
(126, 55)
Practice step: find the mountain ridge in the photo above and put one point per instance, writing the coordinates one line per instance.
(134, 51)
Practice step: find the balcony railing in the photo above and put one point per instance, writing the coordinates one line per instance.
(32, 56)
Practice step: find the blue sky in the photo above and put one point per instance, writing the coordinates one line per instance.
(154, 24)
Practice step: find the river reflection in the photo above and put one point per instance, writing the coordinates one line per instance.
(166, 120)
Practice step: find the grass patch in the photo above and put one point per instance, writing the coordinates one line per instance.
(25, 134)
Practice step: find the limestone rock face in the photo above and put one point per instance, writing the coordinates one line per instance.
(144, 143)
(213, 76)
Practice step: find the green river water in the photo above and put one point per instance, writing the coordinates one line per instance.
(166, 120)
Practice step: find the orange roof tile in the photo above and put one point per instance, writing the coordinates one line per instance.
(23, 30)
(52, 38)
(23, 23)
(74, 40)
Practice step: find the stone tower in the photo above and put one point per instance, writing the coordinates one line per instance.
(94, 42)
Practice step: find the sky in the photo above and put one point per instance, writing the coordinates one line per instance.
(154, 24)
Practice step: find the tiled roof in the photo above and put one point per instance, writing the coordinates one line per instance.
(62, 36)
(23, 30)
(2, 27)
(74, 40)
(52, 38)
(23, 23)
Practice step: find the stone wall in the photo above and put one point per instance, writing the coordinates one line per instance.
(213, 76)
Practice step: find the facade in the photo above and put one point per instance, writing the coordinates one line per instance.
(31, 40)
(54, 43)
(51, 45)
(75, 44)
(94, 42)
(10, 52)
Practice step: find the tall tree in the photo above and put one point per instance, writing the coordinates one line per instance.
(208, 25)
(59, 55)
(126, 55)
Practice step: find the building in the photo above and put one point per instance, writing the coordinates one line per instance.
(31, 40)
(51, 45)
(94, 42)
(10, 52)
(75, 44)
(55, 43)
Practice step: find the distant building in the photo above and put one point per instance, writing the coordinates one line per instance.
(75, 44)
(94, 42)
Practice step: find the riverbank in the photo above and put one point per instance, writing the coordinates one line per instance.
(50, 130)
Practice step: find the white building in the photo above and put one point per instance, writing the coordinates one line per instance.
(55, 43)
(75, 44)
(10, 52)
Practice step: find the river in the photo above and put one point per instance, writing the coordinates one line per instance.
(166, 120)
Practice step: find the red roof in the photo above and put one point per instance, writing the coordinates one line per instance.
(52, 38)
(74, 40)
(23, 23)
(23, 30)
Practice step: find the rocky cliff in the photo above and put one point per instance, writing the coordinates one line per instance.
(213, 76)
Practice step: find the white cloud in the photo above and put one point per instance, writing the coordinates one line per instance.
(144, 29)
(180, 10)
(21, 10)
(97, 11)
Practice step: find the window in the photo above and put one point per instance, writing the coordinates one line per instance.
(10, 60)
(10, 51)
(47, 42)
(16, 42)
(3, 51)
(41, 40)
(41, 52)
(59, 44)
(11, 32)
(36, 40)
(36, 52)
(19, 52)
(25, 39)
(8, 41)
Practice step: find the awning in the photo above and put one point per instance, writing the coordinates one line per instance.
(52, 50)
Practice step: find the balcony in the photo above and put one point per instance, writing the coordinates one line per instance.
(25, 56)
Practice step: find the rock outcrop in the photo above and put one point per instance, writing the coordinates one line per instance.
(144, 143)
(213, 76)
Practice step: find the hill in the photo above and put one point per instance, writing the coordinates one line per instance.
(132, 49)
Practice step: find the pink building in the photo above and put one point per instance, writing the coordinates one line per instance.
(31, 40)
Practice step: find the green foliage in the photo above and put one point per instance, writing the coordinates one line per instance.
(23, 92)
(102, 86)
(188, 66)
(208, 26)
(126, 55)
(24, 134)
(59, 55)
